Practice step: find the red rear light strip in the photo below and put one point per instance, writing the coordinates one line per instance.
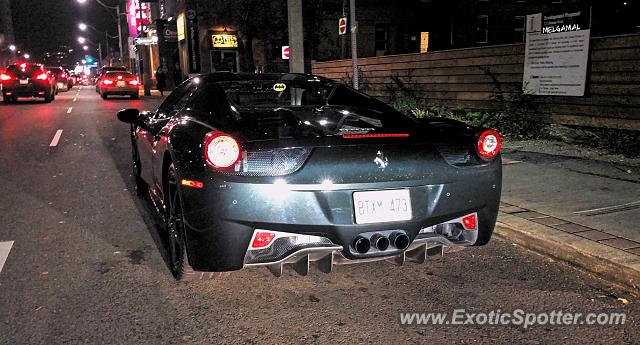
(375, 135)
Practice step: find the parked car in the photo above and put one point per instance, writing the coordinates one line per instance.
(283, 170)
(118, 83)
(27, 80)
(63, 83)
(104, 70)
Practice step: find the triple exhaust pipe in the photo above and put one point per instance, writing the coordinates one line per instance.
(362, 244)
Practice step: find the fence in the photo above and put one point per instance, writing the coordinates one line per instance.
(488, 78)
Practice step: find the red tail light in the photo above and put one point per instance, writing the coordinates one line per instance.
(133, 82)
(42, 76)
(5, 77)
(470, 222)
(221, 150)
(62, 75)
(489, 144)
(107, 82)
(262, 239)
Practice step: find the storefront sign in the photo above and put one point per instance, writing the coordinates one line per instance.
(424, 42)
(556, 54)
(146, 41)
(180, 23)
(193, 43)
(224, 41)
(138, 14)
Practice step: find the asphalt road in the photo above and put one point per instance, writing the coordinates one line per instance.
(86, 264)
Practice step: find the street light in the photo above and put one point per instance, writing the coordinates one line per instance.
(27, 56)
(85, 48)
(81, 40)
(118, 14)
(82, 26)
(12, 48)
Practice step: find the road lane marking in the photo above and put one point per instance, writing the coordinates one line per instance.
(69, 110)
(609, 209)
(5, 248)
(75, 99)
(56, 138)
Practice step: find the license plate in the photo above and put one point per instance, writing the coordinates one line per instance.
(382, 206)
(60, 85)
(24, 81)
(120, 84)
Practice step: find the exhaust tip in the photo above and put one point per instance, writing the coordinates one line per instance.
(381, 242)
(361, 244)
(400, 240)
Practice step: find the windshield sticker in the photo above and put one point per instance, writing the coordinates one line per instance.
(279, 87)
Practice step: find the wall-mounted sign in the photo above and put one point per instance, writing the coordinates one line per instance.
(224, 41)
(285, 52)
(342, 26)
(556, 54)
(180, 26)
(193, 42)
(146, 41)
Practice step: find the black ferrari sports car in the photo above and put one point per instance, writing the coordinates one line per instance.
(290, 170)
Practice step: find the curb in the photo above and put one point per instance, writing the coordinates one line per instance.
(607, 262)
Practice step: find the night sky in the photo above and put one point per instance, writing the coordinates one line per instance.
(43, 25)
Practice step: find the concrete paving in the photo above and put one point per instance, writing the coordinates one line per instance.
(576, 200)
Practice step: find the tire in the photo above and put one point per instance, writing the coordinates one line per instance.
(135, 96)
(53, 96)
(141, 187)
(48, 97)
(174, 226)
(8, 100)
(104, 96)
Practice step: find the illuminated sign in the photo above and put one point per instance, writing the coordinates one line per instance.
(224, 41)
(180, 24)
(138, 14)
(424, 42)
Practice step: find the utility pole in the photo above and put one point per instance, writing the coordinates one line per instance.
(119, 32)
(354, 42)
(296, 36)
(100, 54)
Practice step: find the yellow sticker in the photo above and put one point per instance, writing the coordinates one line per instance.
(279, 87)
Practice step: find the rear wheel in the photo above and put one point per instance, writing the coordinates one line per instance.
(134, 96)
(8, 100)
(104, 96)
(48, 97)
(174, 225)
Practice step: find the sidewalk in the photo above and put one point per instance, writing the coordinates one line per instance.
(581, 210)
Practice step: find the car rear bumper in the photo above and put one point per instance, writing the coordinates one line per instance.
(26, 91)
(221, 218)
(120, 91)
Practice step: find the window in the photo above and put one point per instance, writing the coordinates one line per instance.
(381, 39)
(482, 29)
(174, 101)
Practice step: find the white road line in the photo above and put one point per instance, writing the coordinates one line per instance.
(75, 99)
(56, 138)
(69, 110)
(5, 248)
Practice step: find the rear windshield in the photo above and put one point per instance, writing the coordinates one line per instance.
(29, 69)
(116, 74)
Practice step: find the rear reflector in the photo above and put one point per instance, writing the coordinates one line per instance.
(262, 239)
(192, 184)
(375, 135)
(469, 222)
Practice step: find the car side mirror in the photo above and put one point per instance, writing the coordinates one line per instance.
(129, 116)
